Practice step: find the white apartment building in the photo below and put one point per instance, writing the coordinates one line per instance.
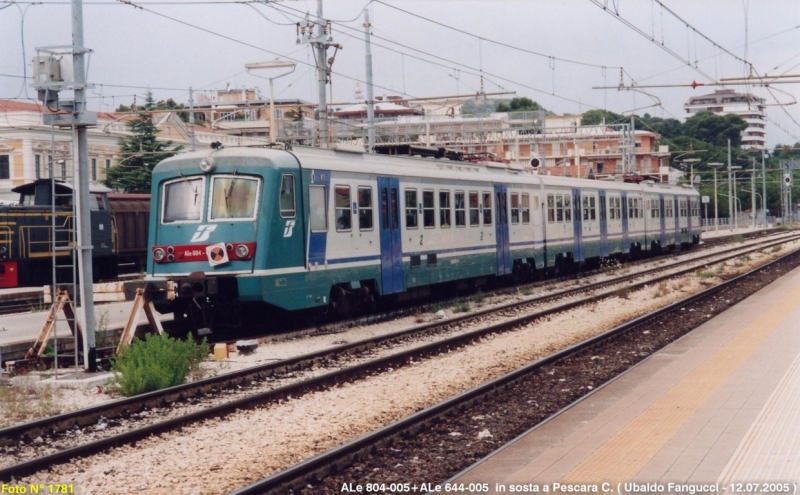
(747, 106)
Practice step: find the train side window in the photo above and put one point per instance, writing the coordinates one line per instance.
(586, 208)
(560, 208)
(514, 208)
(568, 208)
(474, 212)
(318, 217)
(412, 220)
(428, 210)
(235, 197)
(343, 213)
(612, 209)
(183, 200)
(365, 208)
(444, 209)
(683, 207)
(525, 208)
(487, 208)
(668, 208)
(461, 213)
(551, 209)
(287, 196)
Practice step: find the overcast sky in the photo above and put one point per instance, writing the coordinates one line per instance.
(205, 44)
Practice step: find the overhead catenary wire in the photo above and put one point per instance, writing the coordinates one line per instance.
(302, 62)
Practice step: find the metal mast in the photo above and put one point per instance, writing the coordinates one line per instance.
(370, 98)
(81, 191)
(318, 35)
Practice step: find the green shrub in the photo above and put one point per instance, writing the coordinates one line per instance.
(461, 307)
(156, 362)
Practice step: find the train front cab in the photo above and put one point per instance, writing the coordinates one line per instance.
(220, 235)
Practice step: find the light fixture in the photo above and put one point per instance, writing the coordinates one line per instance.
(207, 165)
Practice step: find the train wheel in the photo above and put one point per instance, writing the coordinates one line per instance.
(341, 302)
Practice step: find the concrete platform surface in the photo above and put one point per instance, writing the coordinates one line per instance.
(717, 408)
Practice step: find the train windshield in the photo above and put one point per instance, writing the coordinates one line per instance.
(233, 197)
(183, 200)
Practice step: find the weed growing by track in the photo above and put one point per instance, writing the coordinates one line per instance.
(156, 362)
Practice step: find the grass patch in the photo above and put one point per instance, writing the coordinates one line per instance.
(155, 363)
(706, 274)
(661, 290)
(777, 249)
(20, 403)
(623, 293)
(461, 307)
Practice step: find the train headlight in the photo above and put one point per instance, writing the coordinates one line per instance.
(242, 251)
(159, 254)
(207, 165)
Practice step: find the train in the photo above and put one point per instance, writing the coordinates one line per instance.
(119, 224)
(240, 231)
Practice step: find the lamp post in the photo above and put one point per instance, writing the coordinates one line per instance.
(275, 64)
(715, 166)
(753, 191)
(733, 169)
(691, 162)
(764, 187)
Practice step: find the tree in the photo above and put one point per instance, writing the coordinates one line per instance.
(715, 129)
(150, 105)
(597, 117)
(519, 104)
(140, 153)
(295, 115)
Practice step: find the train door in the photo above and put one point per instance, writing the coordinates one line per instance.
(603, 224)
(677, 218)
(318, 193)
(663, 220)
(689, 213)
(577, 225)
(504, 264)
(626, 243)
(391, 251)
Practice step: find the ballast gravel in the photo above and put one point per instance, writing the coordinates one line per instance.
(217, 456)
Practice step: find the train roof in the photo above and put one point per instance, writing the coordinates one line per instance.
(375, 164)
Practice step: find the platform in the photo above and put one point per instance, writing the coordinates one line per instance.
(721, 405)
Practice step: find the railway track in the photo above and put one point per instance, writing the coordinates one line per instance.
(54, 427)
(428, 434)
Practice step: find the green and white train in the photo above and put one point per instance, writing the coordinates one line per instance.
(236, 229)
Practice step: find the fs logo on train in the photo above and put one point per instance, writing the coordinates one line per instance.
(203, 232)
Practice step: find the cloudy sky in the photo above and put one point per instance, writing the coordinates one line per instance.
(552, 51)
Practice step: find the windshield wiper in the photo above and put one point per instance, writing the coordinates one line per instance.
(229, 191)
